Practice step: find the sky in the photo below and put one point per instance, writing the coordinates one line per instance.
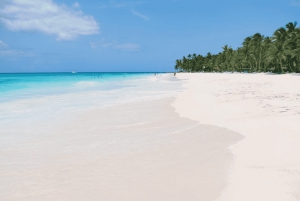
(128, 36)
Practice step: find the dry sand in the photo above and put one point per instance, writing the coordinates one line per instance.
(266, 110)
(131, 152)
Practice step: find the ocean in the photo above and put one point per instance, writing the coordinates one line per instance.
(46, 98)
(16, 86)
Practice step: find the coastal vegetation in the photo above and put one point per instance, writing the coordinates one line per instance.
(279, 53)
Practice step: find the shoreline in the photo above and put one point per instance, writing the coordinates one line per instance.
(132, 151)
(263, 108)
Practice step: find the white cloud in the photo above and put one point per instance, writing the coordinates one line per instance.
(3, 44)
(47, 17)
(76, 5)
(116, 45)
(139, 15)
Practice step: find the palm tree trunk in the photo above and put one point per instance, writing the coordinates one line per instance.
(259, 62)
(250, 66)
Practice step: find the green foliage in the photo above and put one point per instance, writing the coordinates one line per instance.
(279, 54)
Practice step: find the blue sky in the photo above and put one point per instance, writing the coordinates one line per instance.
(119, 35)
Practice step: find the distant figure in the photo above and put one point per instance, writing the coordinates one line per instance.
(174, 73)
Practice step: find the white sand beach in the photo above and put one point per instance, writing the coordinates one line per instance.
(226, 137)
(137, 148)
(265, 109)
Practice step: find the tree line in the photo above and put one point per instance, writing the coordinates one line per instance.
(278, 54)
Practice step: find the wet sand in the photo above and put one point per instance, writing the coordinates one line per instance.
(135, 151)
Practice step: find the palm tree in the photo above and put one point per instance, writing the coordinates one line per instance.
(178, 64)
(207, 62)
(226, 56)
(247, 52)
(258, 53)
(291, 44)
(256, 48)
(265, 48)
(238, 59)
(277, 54)
(291, 27)
(296, 51)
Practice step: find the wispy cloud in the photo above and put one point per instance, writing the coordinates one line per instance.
(127, 46)
(121, 4)
(76, 5)
(139, 15)
(47, 17)
(6, 51)
(2, 44)
(16, 53)
(117, 5)
(295, 2)
(116, 45)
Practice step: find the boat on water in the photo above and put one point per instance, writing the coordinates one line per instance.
(73, 71)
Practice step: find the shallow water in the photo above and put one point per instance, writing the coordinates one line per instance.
(16, 86)
(42, 97)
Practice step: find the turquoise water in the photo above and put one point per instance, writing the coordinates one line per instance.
(28, 85)
(46, 97)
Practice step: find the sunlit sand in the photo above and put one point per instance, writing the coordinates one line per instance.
(266, 110)
(140, 151)
(224, 137)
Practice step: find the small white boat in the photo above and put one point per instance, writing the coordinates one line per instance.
(73, 71)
